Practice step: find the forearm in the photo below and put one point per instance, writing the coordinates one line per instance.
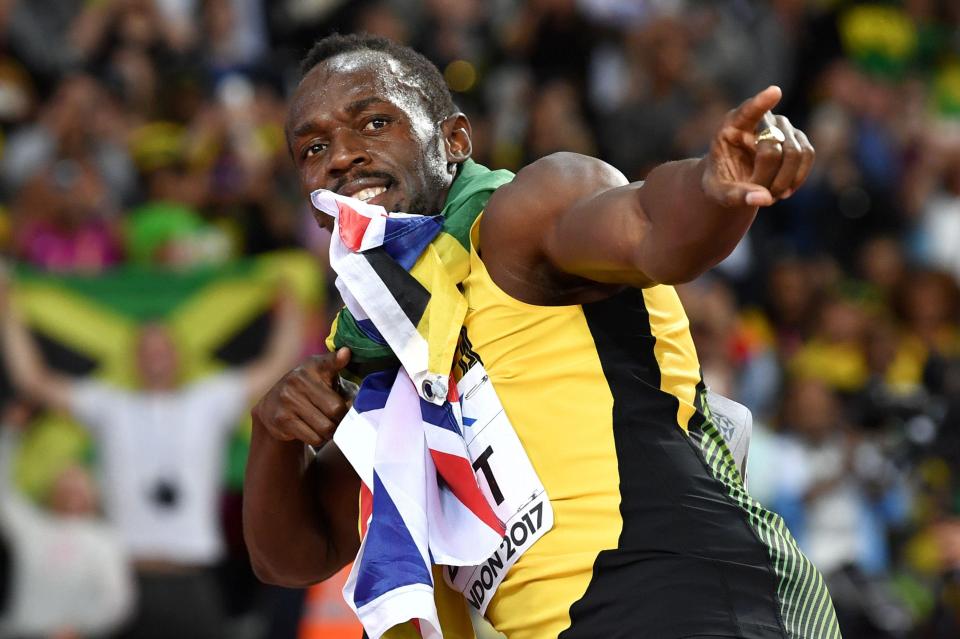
(24, 363)
(286, 339)
(291, 540)
(665, 230)
(580, 223)
(89, 28)
(28, 371)
(282, 350)
(687, 232)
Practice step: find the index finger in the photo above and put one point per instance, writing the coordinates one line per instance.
(748, 115)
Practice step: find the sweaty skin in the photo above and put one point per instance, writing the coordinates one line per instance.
(361, 124)
(569, 229)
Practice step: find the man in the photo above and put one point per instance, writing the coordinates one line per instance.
(572, 314)
(161, 450)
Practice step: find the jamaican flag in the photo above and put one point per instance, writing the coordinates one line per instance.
(218, 317)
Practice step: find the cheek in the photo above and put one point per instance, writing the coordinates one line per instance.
(322, 220)
(435, 166)
(310, 179)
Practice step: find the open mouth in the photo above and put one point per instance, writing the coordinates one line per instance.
(369, 190)
(371, 194)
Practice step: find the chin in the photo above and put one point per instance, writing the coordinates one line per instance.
(395, 206)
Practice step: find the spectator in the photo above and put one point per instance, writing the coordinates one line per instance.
(161, 451)
(63, 223)
(841, 495)
(554, 38)
(557, 122)
(70, 126)
(929, 303)
(658, 100)
(737, 357)
(68, 572)
(834, 352)
(233, 35)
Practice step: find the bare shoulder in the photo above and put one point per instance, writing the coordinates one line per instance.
(564, 166)
(520, 215)
(543, 189)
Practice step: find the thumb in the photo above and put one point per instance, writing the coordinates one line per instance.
(741, 194)
(758, 196)
(327, 366)
(341, 358)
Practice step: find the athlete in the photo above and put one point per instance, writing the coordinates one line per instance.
(572, 312)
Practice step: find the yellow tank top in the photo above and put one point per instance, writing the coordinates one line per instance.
(549, 374)
(654, 534)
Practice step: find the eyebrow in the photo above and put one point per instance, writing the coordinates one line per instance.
(352, 109)
(359, 105)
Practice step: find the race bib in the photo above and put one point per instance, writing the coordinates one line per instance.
(509, 482)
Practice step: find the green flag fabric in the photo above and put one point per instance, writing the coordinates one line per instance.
(468, 196)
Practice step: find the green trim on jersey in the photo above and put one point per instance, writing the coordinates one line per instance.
(805, 604)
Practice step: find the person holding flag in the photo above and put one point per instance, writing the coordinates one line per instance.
(526, 326)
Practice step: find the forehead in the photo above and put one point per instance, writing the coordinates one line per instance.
(356, 75)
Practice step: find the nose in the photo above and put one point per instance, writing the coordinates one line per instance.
(346, 152)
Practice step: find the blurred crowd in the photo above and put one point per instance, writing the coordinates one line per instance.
(150, 133)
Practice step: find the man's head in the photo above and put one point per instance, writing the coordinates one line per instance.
(813, 409)
(157, 360)
(373, 119)
(74, 493)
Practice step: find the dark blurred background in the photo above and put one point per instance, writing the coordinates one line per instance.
(142, 151)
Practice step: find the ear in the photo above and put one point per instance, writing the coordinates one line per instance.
(457, 140)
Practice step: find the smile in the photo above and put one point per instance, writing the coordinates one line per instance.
(369, 193)
(367, 189)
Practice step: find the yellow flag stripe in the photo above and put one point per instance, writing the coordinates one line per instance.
(81, 325)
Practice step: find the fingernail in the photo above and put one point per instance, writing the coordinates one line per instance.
(755, 198)
(786, 194)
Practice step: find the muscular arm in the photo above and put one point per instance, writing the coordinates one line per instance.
(299, 510)
(568, 222)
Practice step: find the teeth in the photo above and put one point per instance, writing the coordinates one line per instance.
(369, 193)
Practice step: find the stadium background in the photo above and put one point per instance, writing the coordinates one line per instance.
(144, 175)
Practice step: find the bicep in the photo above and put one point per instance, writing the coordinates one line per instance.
(599, 238)
(575, 216)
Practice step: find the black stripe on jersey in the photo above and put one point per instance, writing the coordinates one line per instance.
(686, 562)
(409, 293)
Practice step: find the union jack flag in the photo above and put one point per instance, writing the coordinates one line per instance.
(420, 502)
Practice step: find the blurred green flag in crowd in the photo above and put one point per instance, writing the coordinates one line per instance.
(89, 325)
(884, 41)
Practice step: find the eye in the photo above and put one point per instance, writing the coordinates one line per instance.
(376, 123)
(314, 148)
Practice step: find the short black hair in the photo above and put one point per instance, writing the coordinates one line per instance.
(434, 89)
